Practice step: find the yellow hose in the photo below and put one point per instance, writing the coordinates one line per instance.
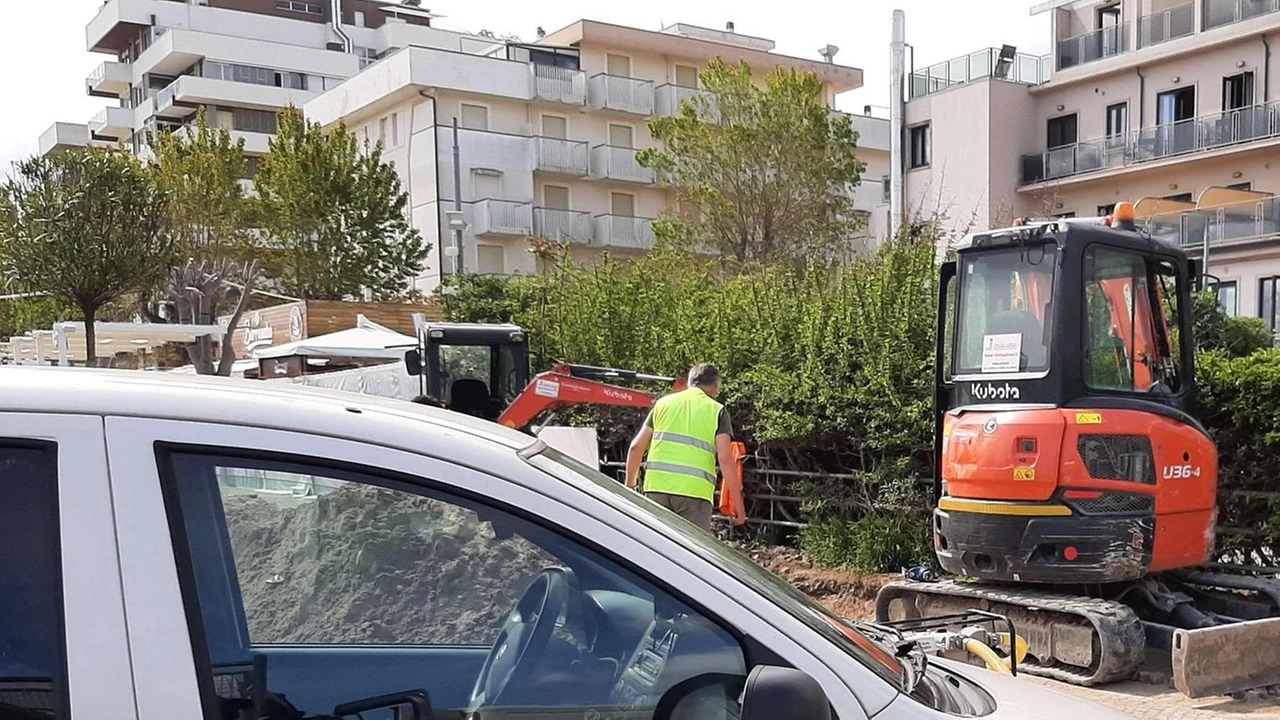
(995, 663)
(1021, 646)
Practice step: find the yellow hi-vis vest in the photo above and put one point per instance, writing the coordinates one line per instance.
(682, 454)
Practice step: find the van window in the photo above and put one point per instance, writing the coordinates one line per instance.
(33, 675)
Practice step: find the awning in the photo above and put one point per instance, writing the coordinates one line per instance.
(1151, 206)
(1216, 197)
(366, 341)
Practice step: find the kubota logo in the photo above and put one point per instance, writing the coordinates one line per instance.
(991, 391)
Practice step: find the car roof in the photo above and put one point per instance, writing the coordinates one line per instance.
(195, 398)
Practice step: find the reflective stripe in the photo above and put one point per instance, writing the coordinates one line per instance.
(685, 440)
(681, 470)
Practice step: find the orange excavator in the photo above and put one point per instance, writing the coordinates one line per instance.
(483, 370)
(1075, 491)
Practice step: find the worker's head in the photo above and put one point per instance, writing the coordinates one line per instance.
(705, 377)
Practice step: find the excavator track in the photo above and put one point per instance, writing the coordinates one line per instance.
(1077, 640)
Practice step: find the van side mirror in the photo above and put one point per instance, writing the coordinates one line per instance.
(413, 363)
(777, 693)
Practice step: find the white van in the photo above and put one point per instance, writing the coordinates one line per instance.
(176, 547)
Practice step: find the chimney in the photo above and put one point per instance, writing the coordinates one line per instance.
(541, 33)
(728, 27)
(866, 110)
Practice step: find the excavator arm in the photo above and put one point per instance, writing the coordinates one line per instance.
(568, 385)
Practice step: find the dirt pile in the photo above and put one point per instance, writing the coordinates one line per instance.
(845, 593)
(367, 565)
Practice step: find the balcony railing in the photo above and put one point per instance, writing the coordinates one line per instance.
(1203, 134)
(1025, 69)
(1102, 43)
(166, 98)
(623, 231)
(1238, 222)
(564, 157)
(670, 97)
(559, 84)
(109, 79)
(570, 226)
(502, 217)
(1225, 12)
(112, 123)
(619, 163)
(1171, 24)
(622, 94)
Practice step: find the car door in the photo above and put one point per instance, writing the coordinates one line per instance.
(63, 645)
(334, 574)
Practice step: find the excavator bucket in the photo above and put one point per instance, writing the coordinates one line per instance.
(1227, 659)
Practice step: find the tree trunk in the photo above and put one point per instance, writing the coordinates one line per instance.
(90, 313)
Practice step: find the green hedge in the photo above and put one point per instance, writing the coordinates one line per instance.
(828, 369)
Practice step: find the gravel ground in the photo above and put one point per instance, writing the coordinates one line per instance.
(1157, 702)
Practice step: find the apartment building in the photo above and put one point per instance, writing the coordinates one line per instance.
(547, 136)
(1168, 104)
(241, 60)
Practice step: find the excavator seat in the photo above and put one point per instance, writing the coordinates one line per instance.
(471, 396)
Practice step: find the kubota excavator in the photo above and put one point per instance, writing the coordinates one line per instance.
(1075, 493)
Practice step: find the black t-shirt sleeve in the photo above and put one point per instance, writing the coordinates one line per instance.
(723, 425)
(648, 420)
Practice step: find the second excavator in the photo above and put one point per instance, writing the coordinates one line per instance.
(1075, 490)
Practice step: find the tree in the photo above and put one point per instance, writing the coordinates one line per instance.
(85, 227)
(336, 215)
(209, 222)
(769, 171)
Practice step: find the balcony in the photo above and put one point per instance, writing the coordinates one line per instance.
(113, 123)
(109, 80)
(1219, 131)
(502, 217)
(558, 84)
(620, 94)
(609, 162)
(183, 96)
(562, 157)
(116, 24)
(1169, 25)
(669, 97)
(1225, 224)
(569, 226)
(1025, 69)
(255, 143)
(63, 136)
(620, 231)
(1226, 12)
(1092, 46)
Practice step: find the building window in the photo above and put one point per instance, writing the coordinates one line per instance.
(555, 197)
(618, 65)
(1117, 123)
(686, 77)
(382, 131)
(554, 126)
(251, 165)
(622, 204)
(1244, 186)
(1267, 304)
(1180, 197)
(298, 6)
(1063, 216)
(33, 663)
(491, 259)
(1105, 210)
(1227, 298)
(622, 136)
(921, 152)
(474, 117)
(360, 18)
(260, 121)
(1063, 131)
(1237, 91)
(395, 129)
(253, 75)
(886, 189)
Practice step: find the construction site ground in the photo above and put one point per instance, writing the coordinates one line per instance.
(853, 596)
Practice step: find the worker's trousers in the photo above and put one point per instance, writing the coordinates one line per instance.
(694, 510)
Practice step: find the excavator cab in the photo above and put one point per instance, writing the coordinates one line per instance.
(474, 369)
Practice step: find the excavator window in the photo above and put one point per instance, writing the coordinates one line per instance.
(1005, 312)
(1131, 303)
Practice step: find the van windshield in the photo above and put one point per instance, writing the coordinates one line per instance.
(837, 630)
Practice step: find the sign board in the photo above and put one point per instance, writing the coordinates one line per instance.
(1001, 353)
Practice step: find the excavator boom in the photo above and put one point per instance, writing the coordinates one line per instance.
(568, 385)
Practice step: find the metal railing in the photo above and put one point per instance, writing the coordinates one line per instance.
(623, 94)
(558, 84)
(567, 157)
(1095, 45)
(166, 97)
(99, 74)
(1168, 25)
(623, 231)
(1025, 69)
(502, 217)
(619, 163)
(1202, 134)
(571, 226)
(670, 97)
(1238, 222)
(1226, 12)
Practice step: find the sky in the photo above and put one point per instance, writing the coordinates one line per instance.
(44, 77)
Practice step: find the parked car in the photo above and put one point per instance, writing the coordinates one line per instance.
(177, 547)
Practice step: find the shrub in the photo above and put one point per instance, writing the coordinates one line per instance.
(872, 544)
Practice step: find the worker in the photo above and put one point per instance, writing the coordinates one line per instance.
(685, 435)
